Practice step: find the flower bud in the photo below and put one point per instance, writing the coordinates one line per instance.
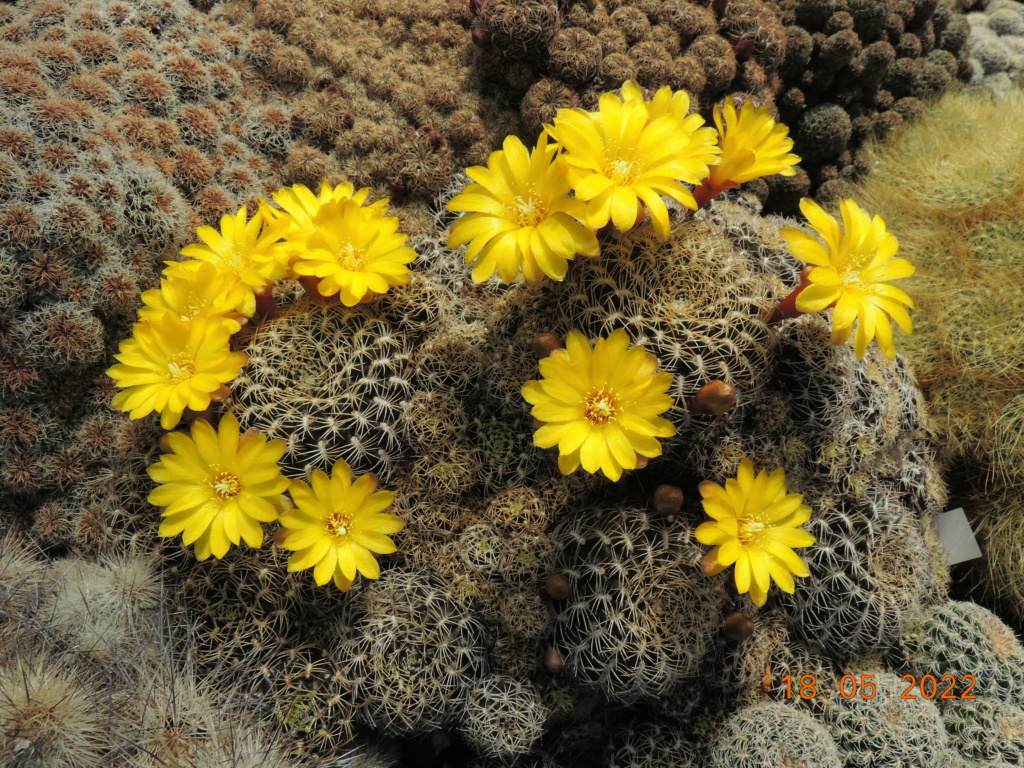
(743, 49)
(544, 344)
(553, 661)
(714, 398)
(737, 627)
(668, 499)
(481, 38)
(558, 586)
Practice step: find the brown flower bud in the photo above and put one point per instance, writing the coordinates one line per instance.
(280, 535)
(544, 344)
(714, 398)
(475, 6)
(668, 499)
(709, 564)
(558, 586)
(553, 661)
(737, 627)
(481, 38)
(743, 49)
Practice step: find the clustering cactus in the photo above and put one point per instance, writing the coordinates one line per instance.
(964, 348)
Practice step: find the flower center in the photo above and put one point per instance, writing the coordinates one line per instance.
(748, 529)
(621, 171)
(226, 485)
(529, 211)
(179, 369)
(338, 523)
(600, 406)
(351, 259)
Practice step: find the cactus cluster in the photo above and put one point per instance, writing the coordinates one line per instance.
(836, 75)
(527, 617)
(553, 55)
(773, 733)
(96, 671)
(962, 217)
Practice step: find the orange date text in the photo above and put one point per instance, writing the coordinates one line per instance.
(863, 686)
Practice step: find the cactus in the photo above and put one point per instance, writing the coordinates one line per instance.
(50, 716)
(773, 733)
(886, 730)
(967, 642)
(503, 717)
(649, 744)
(622, 631)
(411, 653)
(332, 382)
(986, 729)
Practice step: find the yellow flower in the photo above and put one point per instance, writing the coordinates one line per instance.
(250, 251)
(301, 205)
(355, 251)
(756, 525)
(600, 406)
(171, 364)
(752, 144)
(520, 216)
(216, 487)
(852, 270)
(196, 292)
(628, 152)
(338, 526)
(665, 101)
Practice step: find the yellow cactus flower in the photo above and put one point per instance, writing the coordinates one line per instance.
(338, 526)
(600, 406)
(664, 102)
(197, 292)
(519, 216)
(355, 251)
(299, 205)
(251, 251)
(851, 271)
(623, 155)
(170, 364)
(756, 525)
(216, 487)
(752, 144)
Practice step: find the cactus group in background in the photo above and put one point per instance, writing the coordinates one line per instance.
(773, 733)
(955, 218)
(836, 75)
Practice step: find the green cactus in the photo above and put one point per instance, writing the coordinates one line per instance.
(986, 729)
(773, 734)
(969, 643)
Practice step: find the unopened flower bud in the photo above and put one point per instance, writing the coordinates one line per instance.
(553, 661)
(709, 564)
(743, 49)
(280, 535)
(737, 627)
(714, 398)
(475, 6)
(481, 38)
(668, 499)
(558, 586)
(545, 343)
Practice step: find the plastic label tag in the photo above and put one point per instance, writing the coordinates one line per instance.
(957, 536)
